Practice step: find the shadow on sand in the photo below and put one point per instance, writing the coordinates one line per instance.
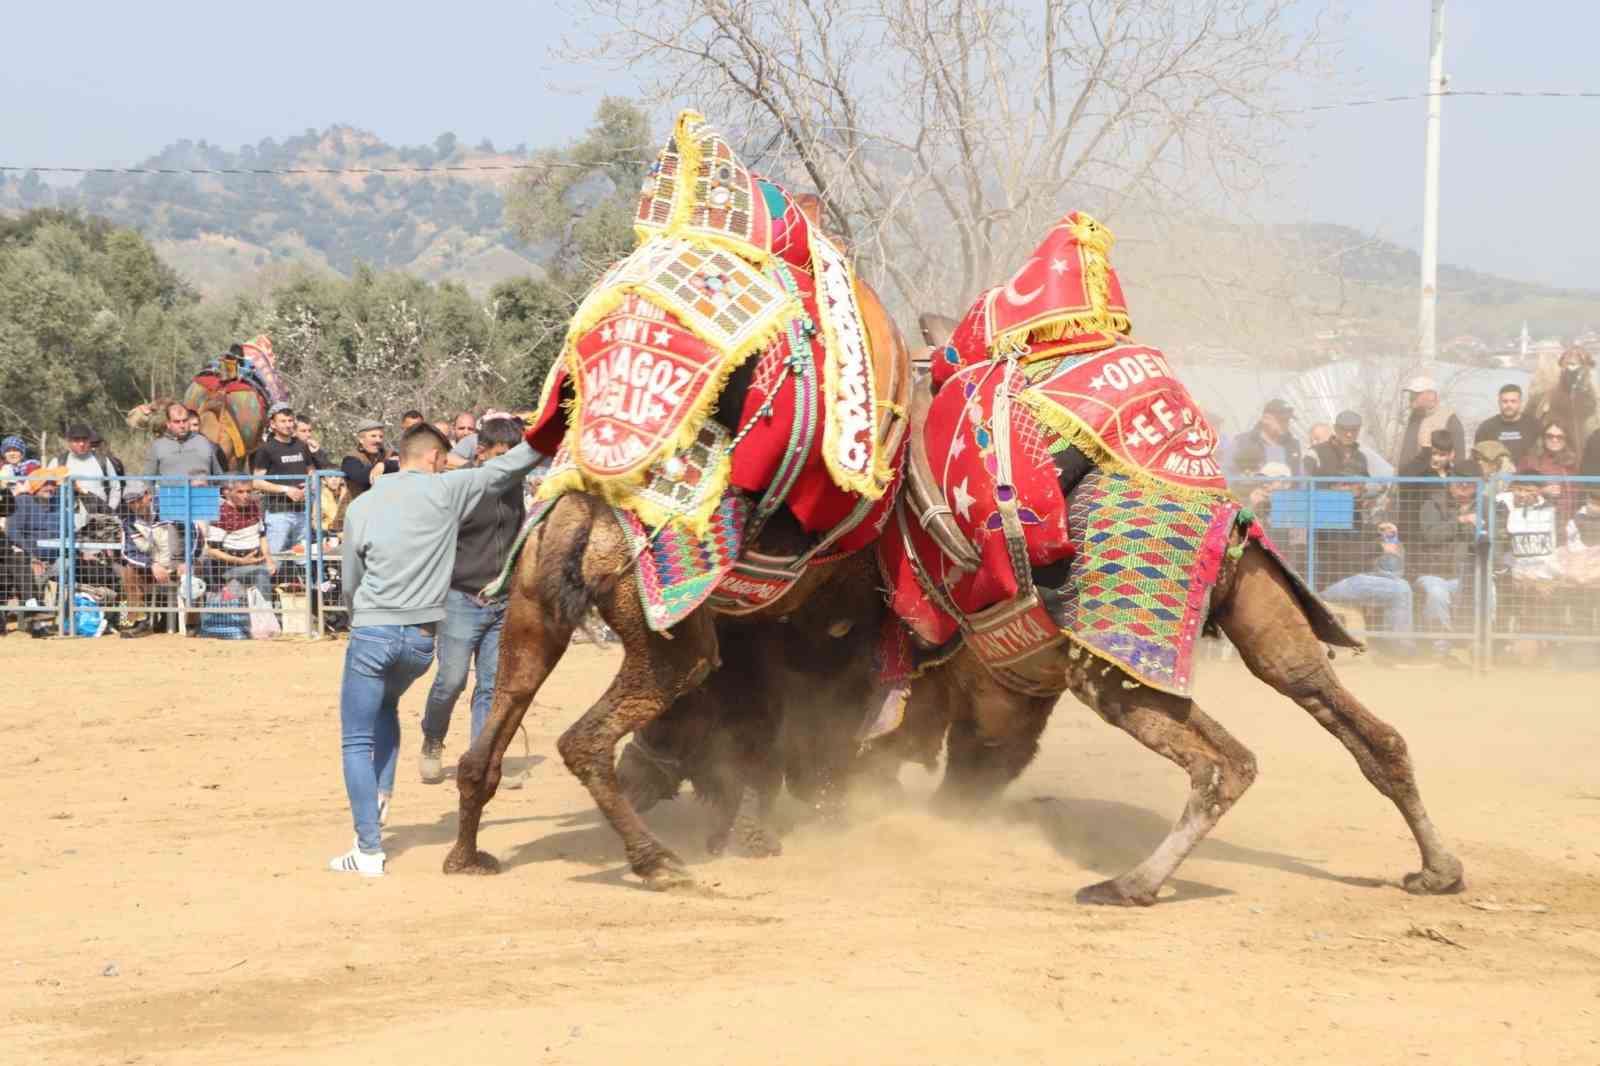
(1110, 837)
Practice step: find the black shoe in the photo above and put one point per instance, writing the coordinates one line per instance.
(142, 628)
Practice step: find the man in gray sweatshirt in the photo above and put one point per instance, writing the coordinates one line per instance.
(399, 550)
(180, 453)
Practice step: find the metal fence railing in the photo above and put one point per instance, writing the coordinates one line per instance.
(1457, 568)
(1446, 567)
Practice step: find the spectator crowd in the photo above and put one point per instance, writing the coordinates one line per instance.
(1400, 537)
(1408, 550)
(140, 565)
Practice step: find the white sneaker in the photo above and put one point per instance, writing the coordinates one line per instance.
(356, 861)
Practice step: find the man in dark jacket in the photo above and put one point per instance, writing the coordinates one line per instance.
(1442, 551)
(1271, 433)
(1341, 553)
(472, 624)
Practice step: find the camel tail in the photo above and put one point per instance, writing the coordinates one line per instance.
(575, 594)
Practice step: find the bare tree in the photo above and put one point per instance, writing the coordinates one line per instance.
(943, 135)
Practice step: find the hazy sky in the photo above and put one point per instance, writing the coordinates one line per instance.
(102, 83)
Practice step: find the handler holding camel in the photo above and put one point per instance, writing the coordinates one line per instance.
(399, 549)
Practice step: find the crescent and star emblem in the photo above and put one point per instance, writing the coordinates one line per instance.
(1020, 299)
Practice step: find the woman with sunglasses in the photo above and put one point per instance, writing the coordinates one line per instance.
(1556, 458)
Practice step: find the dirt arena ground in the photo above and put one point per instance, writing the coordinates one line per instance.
(171, 804)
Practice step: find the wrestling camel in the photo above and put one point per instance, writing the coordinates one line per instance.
(729, 387)
(994, 715)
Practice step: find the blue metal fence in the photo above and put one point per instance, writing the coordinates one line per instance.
(1474, 570)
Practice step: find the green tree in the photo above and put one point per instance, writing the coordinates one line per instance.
(92, 322)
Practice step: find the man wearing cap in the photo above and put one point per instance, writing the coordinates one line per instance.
(284, 456)
(93, 484)
(362, 467)
(1341, 552)
(1271, 433)
(1493, 460)
(1340, 455)
(1427, 417)
(180, 451)
(399, 551)
(1512, 428)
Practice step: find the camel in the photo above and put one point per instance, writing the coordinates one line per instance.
(232, 407)
(1277, 626)
(578, 557)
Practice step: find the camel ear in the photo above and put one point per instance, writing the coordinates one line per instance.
(810, 205)
(936, 329)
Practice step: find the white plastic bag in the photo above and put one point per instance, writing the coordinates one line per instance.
(263, 622)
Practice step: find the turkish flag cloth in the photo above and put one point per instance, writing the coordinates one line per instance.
(1064, 299)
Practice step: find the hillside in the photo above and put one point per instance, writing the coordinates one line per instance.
(1303, 293)
(219, 230)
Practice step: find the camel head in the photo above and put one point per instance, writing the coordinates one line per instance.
(936, 329)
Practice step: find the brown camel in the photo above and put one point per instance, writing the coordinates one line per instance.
(1276, 625)
(579, 557)
(576, 558)
(993, 731)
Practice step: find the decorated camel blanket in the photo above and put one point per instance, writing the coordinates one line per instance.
(731, 280)
(1039, 375)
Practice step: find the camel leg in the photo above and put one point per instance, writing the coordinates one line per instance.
(533, 642)
(655, 671)
(1219, 769)
(1264, 621)
(993, 735)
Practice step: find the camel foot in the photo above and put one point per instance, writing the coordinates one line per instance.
(1445, 881)
(479, 862)
(665, 873)
(1111, 894)
(760, 843)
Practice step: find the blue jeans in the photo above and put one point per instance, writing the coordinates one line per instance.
(469, 628)
(1392, 594)
(285, 529)
(379, 665)
(1438, 600)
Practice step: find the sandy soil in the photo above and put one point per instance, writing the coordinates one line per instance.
(170, 806)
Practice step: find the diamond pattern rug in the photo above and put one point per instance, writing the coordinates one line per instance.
(1138, 588)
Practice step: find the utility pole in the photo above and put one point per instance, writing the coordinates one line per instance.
(1427, 324)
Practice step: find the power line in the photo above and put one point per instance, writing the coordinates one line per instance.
(1519, 93)
(320, 170)
(554, 164)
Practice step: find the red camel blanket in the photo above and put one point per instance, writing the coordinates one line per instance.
(1124, 408)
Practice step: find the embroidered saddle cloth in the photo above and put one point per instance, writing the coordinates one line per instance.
(734, 297)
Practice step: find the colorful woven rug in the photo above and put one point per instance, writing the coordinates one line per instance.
(678, 571)
(1140, 584)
